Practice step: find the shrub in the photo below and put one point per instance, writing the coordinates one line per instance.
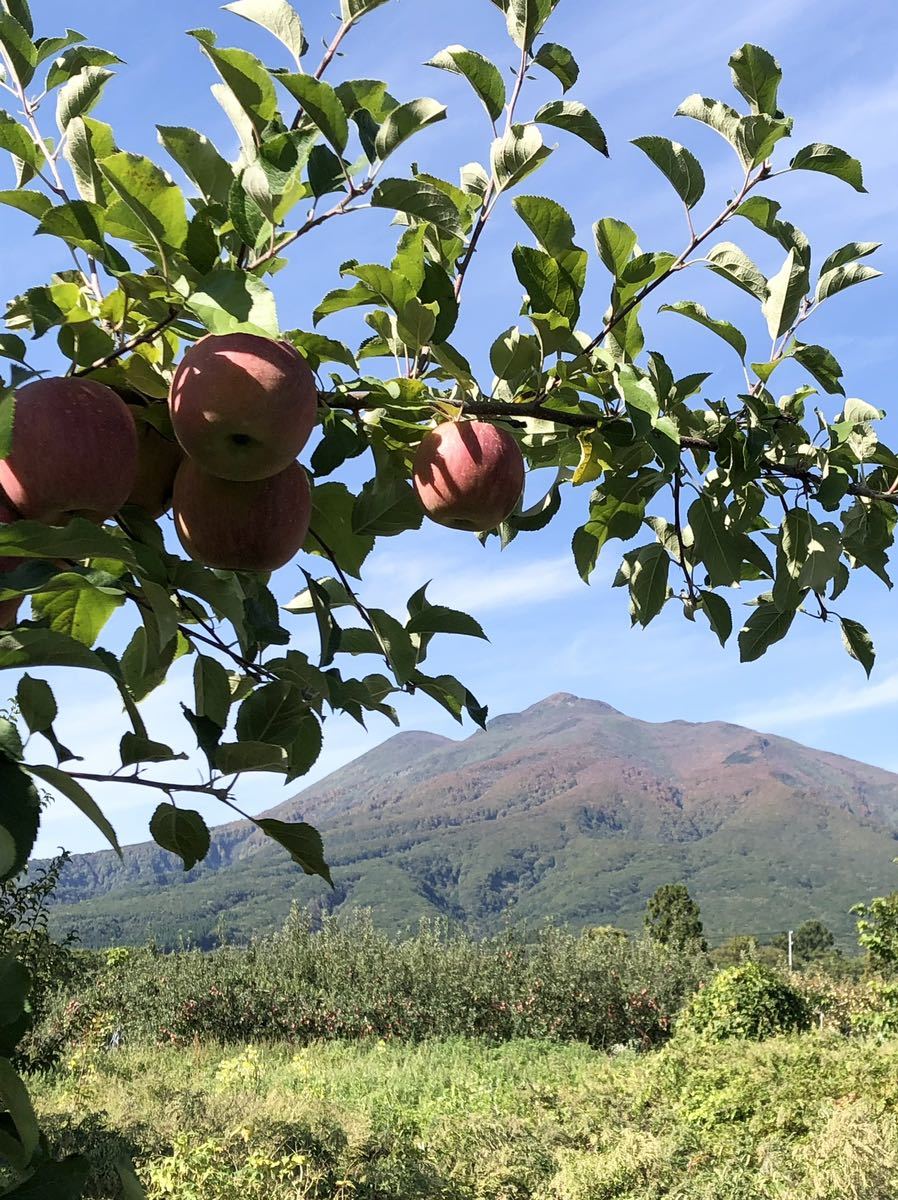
(746, 1001)
(349, 980)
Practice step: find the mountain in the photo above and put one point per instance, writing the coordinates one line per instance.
(568, 810)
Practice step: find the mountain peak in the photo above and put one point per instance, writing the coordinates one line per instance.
(569, 700)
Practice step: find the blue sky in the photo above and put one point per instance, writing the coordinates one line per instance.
(548, 631)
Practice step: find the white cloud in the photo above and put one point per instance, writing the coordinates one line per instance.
(497, 585)
(804, 708)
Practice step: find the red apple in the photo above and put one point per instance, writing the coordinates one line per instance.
(249, 525)
(158, 459)
(74, 451)
(9, 609)
(468, 475)
(243, 406)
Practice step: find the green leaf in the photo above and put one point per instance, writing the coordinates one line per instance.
(15, 985)
(36, 703)
(77, 97)
(418, 199)
(271, 714)
(12, 347)
(514, 356)
(848, 253)
(525, 18)
(77, 607)
(719, 616)
(757, 76)
(386, 506)
(84, 146)
(83, 801)
(301, 841)
(45, 648)
(19, 48)
(615, 242)
(822, 365)
(831, 161)
(51, 47)
(231, 301)
(716, 545)
(15, 1101)
(858, 643)
(696, 312)
(554, 230)
(19, 817)
(136, 749)
(321, 104)
(156, 201)
(549, 288)
(56, 1180)
(181, 831)
(18, 141)
(212, 690)
(645, 572)
(764, 627)
(728, 261)
(21, 10)
(786, 290)
(278, 17)
(199, 159)
(560, 62)
(678, 164)
(405, 121)
(762, 212)
(483, 75)
(839, 278)
(75, 60)
(78, 540)
(248, 81)
(35, 204)
(333, 507)
(233, 758)
(436, 618)
(351, 10)
(517, 154)
(397, 645)
(575, 118)
(714, 113)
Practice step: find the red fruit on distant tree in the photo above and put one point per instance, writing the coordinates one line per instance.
(249, 525)
(243, 406)
(74, 451)
(158, 460)
(9, 609)
(468, 475)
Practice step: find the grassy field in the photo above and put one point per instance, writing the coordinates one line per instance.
(810, 1117)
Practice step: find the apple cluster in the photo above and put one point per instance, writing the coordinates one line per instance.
(242, 408)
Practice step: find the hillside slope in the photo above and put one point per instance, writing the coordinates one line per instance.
(568, 810)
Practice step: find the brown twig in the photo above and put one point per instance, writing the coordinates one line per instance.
(140, 339)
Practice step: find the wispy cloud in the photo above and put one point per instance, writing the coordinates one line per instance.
(497, 586)
(818, 704)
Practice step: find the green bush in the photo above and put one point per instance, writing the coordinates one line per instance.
(746, 1001)
(348, 980)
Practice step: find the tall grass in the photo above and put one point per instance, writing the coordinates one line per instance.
(810, 1117)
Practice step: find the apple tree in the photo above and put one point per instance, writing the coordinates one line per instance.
(162, 312)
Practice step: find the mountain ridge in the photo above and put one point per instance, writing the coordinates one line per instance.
(568, 809)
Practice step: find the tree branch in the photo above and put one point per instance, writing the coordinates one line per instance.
(338, 210)
(139, 339)
(490, 196)
(206, 789)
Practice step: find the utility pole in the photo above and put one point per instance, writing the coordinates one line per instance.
(790, 951)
